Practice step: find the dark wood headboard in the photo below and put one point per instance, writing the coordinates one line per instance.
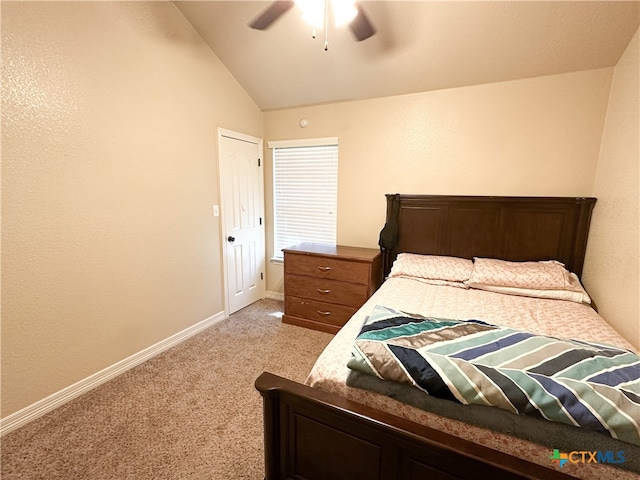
(507, 228)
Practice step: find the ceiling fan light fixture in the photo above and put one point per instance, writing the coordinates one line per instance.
(316, 13)
(312, 12)
(343, 11)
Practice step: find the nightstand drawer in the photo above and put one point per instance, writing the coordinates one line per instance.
(323, 290)
(327, 313)
(324, 267)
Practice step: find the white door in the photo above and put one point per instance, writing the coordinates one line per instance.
(242, 215)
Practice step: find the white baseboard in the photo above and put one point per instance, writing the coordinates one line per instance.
(55, 400)
(274, 295)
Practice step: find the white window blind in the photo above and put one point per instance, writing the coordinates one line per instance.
(305, 193)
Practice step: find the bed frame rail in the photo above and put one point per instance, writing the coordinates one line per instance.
(314, 435)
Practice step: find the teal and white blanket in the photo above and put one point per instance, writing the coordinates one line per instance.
(594, 386)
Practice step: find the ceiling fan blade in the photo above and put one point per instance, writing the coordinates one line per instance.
(361, 26)
(271, 14)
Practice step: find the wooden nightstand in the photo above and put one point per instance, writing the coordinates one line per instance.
(324, 285)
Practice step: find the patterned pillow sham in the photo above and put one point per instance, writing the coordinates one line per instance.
(547, 275)
(546, 279)
(576, 294)
(433, 269)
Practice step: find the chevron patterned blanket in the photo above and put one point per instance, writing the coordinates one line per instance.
(580, 383)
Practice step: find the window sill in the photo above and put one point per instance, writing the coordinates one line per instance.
(277, 261)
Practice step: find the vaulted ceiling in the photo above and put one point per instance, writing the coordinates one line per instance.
(419, 46)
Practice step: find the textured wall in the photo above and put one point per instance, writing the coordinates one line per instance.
(109, 171)
(612, 267)
(538, 136)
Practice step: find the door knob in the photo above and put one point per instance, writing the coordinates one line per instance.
(231, 239)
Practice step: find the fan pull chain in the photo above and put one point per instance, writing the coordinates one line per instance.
(326, 25)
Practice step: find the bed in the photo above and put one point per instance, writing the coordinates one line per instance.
(343, 424)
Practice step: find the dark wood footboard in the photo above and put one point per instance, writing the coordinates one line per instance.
(313, 435)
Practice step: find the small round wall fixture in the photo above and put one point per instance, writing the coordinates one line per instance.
(304, 123)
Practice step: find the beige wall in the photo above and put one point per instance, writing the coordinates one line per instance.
(612, 263)
(537, 136)
(109, 171)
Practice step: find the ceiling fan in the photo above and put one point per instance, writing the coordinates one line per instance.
(316, 12)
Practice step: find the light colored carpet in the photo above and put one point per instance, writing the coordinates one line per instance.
(191, 412)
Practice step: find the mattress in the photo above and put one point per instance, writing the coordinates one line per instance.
(542, 316)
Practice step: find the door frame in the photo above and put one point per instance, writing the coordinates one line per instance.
(223, 132)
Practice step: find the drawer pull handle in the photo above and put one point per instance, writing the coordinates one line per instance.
(323, 313)
(323, 292)
(324, 269)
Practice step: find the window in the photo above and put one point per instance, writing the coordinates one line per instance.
(305, 186)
